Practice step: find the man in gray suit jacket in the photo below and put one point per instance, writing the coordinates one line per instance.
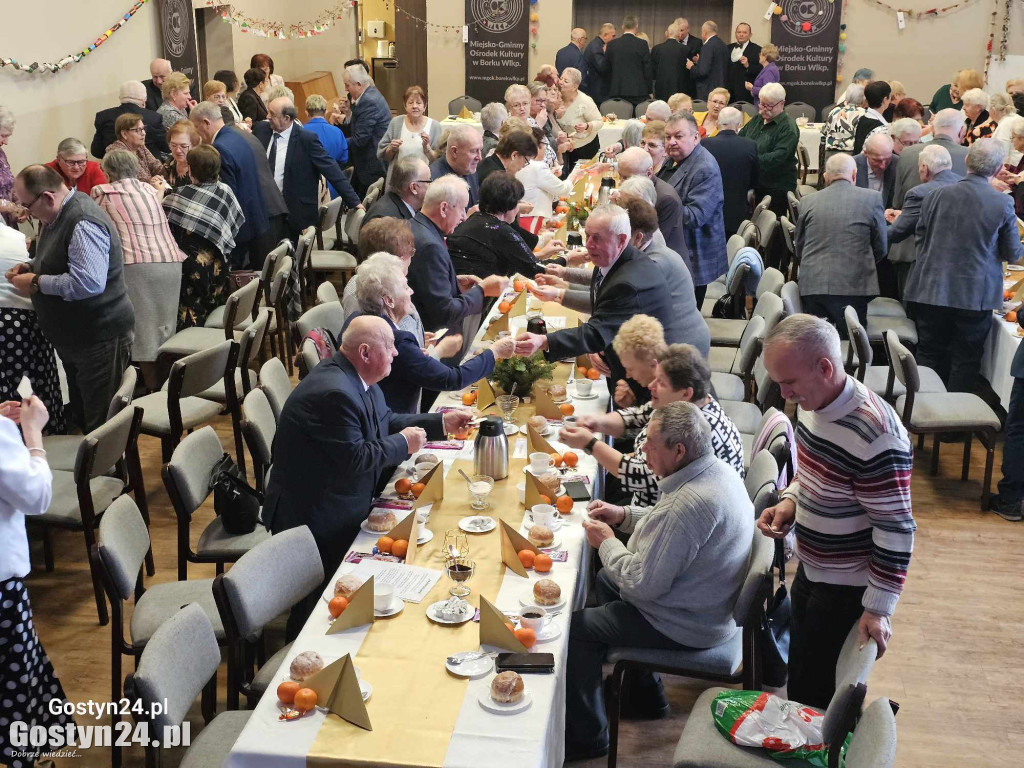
(966, 231)
(876, 168)
(840, 235)
(947, 131)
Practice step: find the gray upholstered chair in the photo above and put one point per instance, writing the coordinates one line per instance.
(874, 741)
(762, 471)
(118, 555)
(743, 106)
(307, 359)
(702, 746)
(791, 298)
(249, 347)
(216, 318)
(793, 203)
(735, 288)
(767, 223)
(307, 239)
(727, 333)
(904, 327)
(455, 105)
(237, 314)
(263, 584)
(880, 306)
(761, 206)
(937, 413)
(749, 417)
(180, 663)
(373, 193)
(727, 386)
(326, 293)
(327, 224)
(330, 316)
(789, 265)
(62, 450)
(323, 261)
(275, 384)
(621, 108)
(717, 288)
(735, 661)
(777, 441)
(641, 108)
(187, 478)
(168, 414)
(258, 428)
(277, 299)
(881, 379)
(81, 497)
(740, 361)
(801, 109)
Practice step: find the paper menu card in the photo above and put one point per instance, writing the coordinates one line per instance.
(544, 405)
(519, 305)
(535, 489)
(412, 583)
(359, 611)
(485, 396)
(408, 531)
(337, 690)
(499, 325)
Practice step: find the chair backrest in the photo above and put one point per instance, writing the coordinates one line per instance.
(641, 108)
(852, 670)
(766, 222)
(739, 278)
(903, 362)
(353, 223)
(827, 110)
(280, 281)
(788, 233)
(125, 392)
(105, 446)
(859, 339)
(328, 219)
(326, 292)
(762, 551)
(874, 741)
(303, 248)
(761, 472)
(803, 161)
(768, 392)
(801, 109)
(791, 298)
(732, 247)
(761, 206)
(269, 579)
(620, 107)
(246, 298)
(259, 424)
(251, 344)
(201, 370)
(267, 273)
(308, 358)
(750, 346)
(455, 105)
(750, 234)
(770, 307)
(699, 105)
(771, 282)
(122, 543)
(793, 202)
(373, 193)
(176, 664)
(743, 106)
(188, 473)
(330, 316)
(275, 384)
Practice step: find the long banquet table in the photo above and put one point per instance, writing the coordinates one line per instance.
(1000, 347)
(421, 714)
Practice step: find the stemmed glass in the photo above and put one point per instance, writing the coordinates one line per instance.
(460, 571)
(508, 405)
(479, 488)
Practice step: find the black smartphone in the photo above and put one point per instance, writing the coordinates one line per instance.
(526, 663)
(577, 491)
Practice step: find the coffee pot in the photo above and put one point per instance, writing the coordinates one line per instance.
(490, 449)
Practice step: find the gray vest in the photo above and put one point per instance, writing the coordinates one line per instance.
(82, 323)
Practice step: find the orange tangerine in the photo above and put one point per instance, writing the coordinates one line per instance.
(403, 485)
(567, 409)
(542, 563)
(417, 489)
(570, 459)
(504, 307)
(593, 374)
(286, 691)
(526, 557)
(337, 605)
(526, 636)
(384, 544)
(305, 699)
(557, 458)
(564, 504)
(400, 548)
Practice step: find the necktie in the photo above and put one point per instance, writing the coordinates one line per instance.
(595, 286)
(373, 414)
(272, 157)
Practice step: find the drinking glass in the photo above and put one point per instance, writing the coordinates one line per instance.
(480, 487)
(508, 405)
(459, 571)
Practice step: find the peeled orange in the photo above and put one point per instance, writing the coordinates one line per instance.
(286, 691)
(384, 544)
(542, 563)
(305, 699)
(564, 504)
(526, 636)
(400, 548)
(526, 557)
(417, 489)
(337, 605)
(570, 459)
(403, 485)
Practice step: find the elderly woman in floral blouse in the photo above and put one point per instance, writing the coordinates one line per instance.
(10, 210)
(131, 136)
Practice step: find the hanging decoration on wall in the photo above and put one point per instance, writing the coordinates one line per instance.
(73, 58)
(994, 49)
(456, 29)
(930, 13)
(280, 29)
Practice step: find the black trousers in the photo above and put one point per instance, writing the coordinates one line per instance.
(1011, 487)
(94, 374)
(831, 308)
(823, 615)
(952, 341)
(587, 151)
(698, 292)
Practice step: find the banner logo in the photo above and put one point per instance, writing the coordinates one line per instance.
(806, 18)
(498, 16)
(176, 26)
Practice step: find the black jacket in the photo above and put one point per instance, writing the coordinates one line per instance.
(487, 166)
(156, 136)
(387, 205)
(599, 74)
(251, 105)
(712, 70)
(737, 159)
(738, 74)
(864, 128)
(691, 47)
(668, 63)
(272, 197)
(670, 217)
(629, 59)
(433, 280)
(484, 245)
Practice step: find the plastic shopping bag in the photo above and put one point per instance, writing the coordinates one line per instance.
(785, 729)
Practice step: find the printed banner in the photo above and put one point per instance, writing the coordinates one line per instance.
(497, 50)
(807, 36)
(178, 26)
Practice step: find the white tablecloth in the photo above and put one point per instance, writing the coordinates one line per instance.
(1000, 347)
(532, 738)
(810, 138)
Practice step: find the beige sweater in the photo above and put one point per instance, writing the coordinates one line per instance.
(582, 110)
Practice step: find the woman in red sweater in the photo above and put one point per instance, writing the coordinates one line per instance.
(74, 166)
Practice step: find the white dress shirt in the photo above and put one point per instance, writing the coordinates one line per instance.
(282, 153)
(25, 489)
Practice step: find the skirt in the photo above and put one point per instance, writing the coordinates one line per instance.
(27, 679)
(204, 281)
(154, 290)
(24, 351)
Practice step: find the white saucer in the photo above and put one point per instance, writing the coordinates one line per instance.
(548, 429)
(396, 607)
(551, 632)
(511, 429)
(556, 543)
(365, 527)
(527, 601)
(591, 396)
(427, 536)
(366, 689)
(558, 523)
(484, 697)
(1015, 268)
(434, 616)
(472, 669)
(464, 524)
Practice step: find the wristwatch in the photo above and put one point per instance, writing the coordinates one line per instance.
(589, 447)
(35, 284)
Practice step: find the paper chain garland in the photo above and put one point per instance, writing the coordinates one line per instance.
(279, 29)
(73, 58)
(931, 12)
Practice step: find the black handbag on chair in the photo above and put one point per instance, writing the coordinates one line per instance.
(234, 500)
(774, 629)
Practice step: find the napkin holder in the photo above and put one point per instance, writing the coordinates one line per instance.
(535, 442)
(337, 689)
(499, 325)
(535, 489)
(519, 305)
(545, 406)
(465, 114)
(408, 529)
(512, 543)
(485, 396)
(493, 630)
(433, 490)
(358, 613)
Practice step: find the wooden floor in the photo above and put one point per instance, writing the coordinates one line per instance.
(956, 663)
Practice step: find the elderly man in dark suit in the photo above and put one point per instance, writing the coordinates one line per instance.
(462, 158)
(629, 58)
(335, 438)
(698, 182)
(599, 74)
(636, 162)
(371, 117)
(691, 49)
(947, 132)
(712, 68)
(572, 56)
(935, 167)
(277, 208)
(667, 64)
(967, 230)
(876, 166)
(132, 96)
(744, 63)
(410, 179)
(298, 160)
(738, 161)
(840, 236)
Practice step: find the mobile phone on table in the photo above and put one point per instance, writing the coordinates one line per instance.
(577, 491)
(526, 663)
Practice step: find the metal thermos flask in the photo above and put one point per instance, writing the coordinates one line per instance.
(490, 449)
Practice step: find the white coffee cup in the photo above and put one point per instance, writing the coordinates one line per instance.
(521, 487)
(421, 528)
(569, 421)
(583, 387)
(540, 462)
(536, 624)
(383, 594)
(544, 514)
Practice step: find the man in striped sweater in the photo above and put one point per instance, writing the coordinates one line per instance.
(850, 501)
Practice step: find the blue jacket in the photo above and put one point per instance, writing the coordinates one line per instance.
(698, 181)
(239, 172)
(334, 442)
(370, 119)
(440, 168)
(433, 280)
(305, 163)
(334, 143)
(599, 73)
(712, 69)
(571, 56)
(906, 224)
(413, 371)
(966, 231)
(888, 178)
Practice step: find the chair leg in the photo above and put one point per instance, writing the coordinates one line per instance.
(233, 663)
(612, 707)
(920, 442)
(236, 427)
(48, 548)
(965, 472)
(101, 602)
(934, 469)
(166, 449)
(990, 457)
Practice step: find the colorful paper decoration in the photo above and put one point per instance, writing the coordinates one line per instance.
(279, 29)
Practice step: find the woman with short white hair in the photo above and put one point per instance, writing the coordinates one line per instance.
(491, 118)
(581, 120)
(979, 123)
(1003, 112)
(177, 99)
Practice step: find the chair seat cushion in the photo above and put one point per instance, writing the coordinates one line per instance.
(876, 379)
(62, 451)
(725, 660)
(214, 541)
(701, 745)
(720, 359)
(64, 510)
(191, 340)
(217, 392)
(161, 601)
(727, 386)
(266, 674)
(725, 333)
(332, 260)
(746, 416)
(906, 329)
(883, 307)
(211, 747)
(949, 410)
(194, 411)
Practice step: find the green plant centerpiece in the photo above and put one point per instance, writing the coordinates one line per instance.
(577, 215)
(524, 372)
